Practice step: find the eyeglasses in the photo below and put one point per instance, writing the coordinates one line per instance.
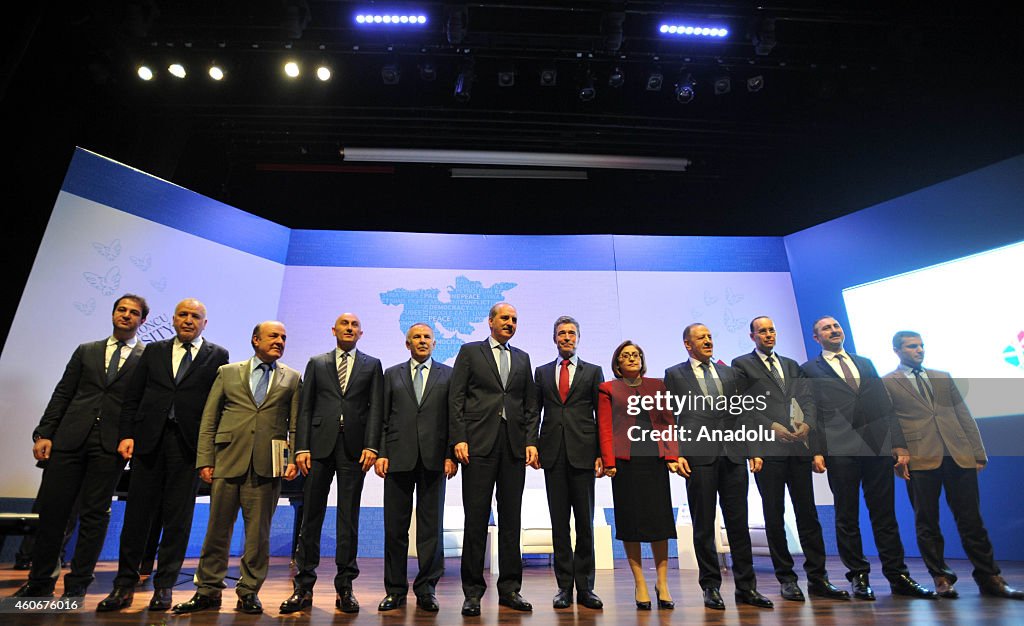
(627, 356)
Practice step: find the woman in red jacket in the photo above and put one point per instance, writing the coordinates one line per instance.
(636, 462)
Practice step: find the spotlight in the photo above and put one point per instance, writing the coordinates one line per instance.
(177, 70)
(691, 30)
(723, 85)
(428, 71)
(390, 74)
(145, 73)
(684, 89)
(587, 91)
(323, 73)
(216, 73)
(390, 20)
(291, 69)
(617, 78)
(507, 78)
(548, 77)
(464, 84)
(755, 83)
(655, 79)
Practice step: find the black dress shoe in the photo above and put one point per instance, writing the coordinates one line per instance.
(118, 598)
(713, 599)
(29, 590)
(198, 602)
(249, 603)
(590, 600)
(346, 602)
(753, 597)
(663, 604)
(300, 599)
(824, 589)
(471, 607)
(428, 602)
(997, 587)
(944, 587)
(74, 591)
(21, 563)
(791, 591)
(514, 601)
(562, 599)
(904, 585)
(161, 600)
(391, 602)
(861, 589)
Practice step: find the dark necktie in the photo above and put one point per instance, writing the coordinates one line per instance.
(343, 372)
(417, 383)
(260, 393)
(563, 380)
(115, 361)
(709, 381)
(776, 374)
(923, 387)
(847, 372)
(186, 361)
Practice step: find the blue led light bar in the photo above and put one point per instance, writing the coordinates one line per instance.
(691, 30)
(390, 19)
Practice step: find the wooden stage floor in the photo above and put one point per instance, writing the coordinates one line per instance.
(614, 586)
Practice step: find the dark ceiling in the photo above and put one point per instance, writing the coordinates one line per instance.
(861, 101)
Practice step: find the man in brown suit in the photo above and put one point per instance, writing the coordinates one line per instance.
(251, 404)
(945, 452)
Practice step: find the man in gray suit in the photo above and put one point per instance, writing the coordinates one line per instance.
(78, 436)
(252, 404)
(338, 434)
(414, 455)
(946, 452)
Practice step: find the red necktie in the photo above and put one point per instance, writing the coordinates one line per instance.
(563, 380)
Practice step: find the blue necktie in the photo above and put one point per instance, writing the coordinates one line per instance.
(417, 383)
(260, 393)
(185, 362)
(709, 381)
(115, 360)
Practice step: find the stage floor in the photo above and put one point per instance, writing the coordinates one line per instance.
(614, 586)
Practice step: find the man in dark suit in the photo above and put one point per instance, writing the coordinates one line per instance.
(714, 469)
(789, 412)
(493, 426)
(338, 433)
(946, 452)
(78, 435)
(414, 455)
(856, 440)
(252, 405)
(571, 458)
(159, 429)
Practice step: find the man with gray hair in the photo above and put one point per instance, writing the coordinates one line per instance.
(569, 453)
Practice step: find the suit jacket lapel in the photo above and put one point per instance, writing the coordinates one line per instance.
(331, 363)
(168, 359)
(134, 354)
(691, 378)
(488, 352)
(765, 368)
(246, 375)
(406, 375)
(435, 373)
(909, 387)
(197, 360)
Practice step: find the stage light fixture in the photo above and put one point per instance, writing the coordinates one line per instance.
(611, 28)
(374, 19)
(684, 89)
(694, 30)
(655, 79)
(456, 25)
(216, 73)
(764, 36)
(587, 91)
(723, 85)
(144, 72)
(507, 77)
(291, 69)
(176, 70)
(548, 77)
(464, 84)
(428, 71)
(755, 83)
(617, 77)
(323, 73)
(390, 74)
